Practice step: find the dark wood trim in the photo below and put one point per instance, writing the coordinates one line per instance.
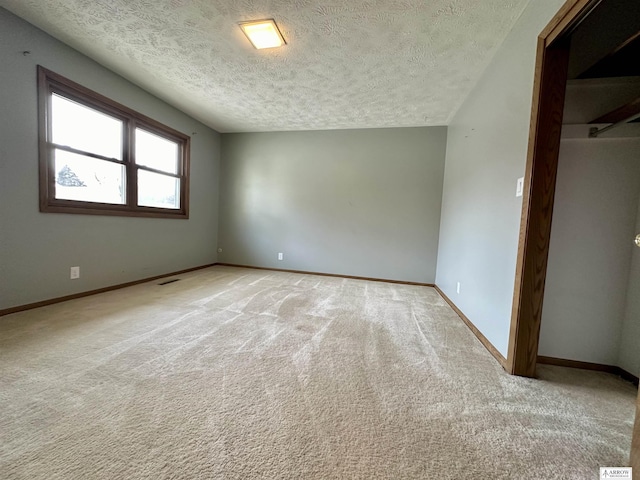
(540, 176)
(160, 172)
(550, 77)
(51, 301)
(94, 208)
(563, 362)
(86, 154)
(598, 367)
(322, 274)
(625, 44)
(483, 340)
(45, 173)
(620, 114)
(628, 376)
(186, 176)
(106, 104)
(537, 206)
(567, 18)
(129, 156)
(49, 82)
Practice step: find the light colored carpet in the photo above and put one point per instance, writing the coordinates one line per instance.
(239, 374)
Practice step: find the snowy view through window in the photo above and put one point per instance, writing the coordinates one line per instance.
(94, 171)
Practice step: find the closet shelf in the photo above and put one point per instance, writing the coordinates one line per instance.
(620, 114)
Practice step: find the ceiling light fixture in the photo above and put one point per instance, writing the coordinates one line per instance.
(263, 33)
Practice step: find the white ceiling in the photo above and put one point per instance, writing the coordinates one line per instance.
(348, 63)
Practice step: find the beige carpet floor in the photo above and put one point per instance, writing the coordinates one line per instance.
(236, 373)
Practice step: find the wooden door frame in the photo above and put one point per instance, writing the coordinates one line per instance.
(539, 190)
(550, 79)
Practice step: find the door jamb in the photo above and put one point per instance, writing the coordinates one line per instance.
(549, 86)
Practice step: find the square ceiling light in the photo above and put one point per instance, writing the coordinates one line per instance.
(263, 33)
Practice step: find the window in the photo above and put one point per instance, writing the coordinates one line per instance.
(100, 157)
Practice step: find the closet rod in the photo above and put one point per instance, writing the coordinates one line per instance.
(595, 131)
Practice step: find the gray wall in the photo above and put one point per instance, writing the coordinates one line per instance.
(629, 353)
(594, 220)
(486, 153)
(36, 249)
(355, 202)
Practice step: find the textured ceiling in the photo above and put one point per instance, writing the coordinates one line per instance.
(348, 63)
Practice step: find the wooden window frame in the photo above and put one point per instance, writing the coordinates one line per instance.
(49, 83)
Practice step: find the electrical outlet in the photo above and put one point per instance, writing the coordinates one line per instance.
(280, 256)
(74, 273)
(458, 288)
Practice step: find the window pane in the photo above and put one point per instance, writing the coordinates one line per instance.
(156, 152)
(157, 190)
(86, 129)
(88, 179)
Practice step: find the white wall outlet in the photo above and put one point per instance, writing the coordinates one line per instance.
(519, 186)
(74, 273)
(280, 256)
(458, 288)
(219, 249)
